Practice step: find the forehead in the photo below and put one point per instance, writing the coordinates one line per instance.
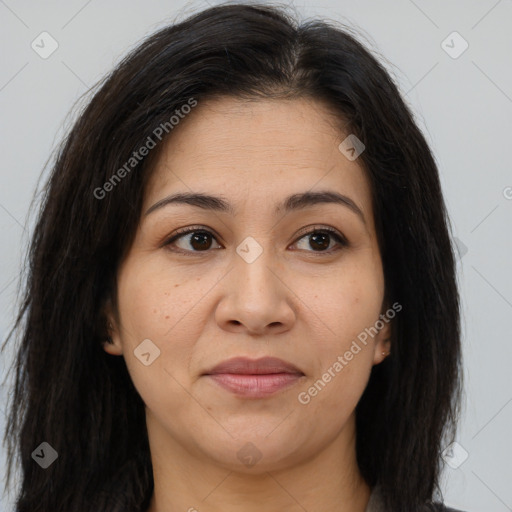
(263, 149)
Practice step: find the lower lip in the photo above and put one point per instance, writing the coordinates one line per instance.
(255, 386)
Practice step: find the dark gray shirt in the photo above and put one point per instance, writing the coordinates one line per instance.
(375, 503)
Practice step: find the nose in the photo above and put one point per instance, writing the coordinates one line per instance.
(256, 299)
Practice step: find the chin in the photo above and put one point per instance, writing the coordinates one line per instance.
(252, 453)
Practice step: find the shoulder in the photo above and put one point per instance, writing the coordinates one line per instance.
(376, 504)
(438, 507)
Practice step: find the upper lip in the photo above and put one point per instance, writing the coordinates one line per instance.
(247, 366)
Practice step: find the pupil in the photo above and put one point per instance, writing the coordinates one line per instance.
(202, 239)
(321, 240)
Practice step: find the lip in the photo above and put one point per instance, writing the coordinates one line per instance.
(254, 378)
(247, 366)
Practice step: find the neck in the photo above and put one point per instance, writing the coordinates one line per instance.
(330, 481)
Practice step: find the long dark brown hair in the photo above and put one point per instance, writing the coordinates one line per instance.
(71, 394)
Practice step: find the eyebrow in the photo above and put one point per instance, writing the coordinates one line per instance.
(294, 202)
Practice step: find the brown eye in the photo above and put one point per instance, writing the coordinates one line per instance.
(320, 240)
(192, 240)
(200, 240)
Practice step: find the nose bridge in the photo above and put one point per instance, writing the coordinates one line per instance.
(255, 298)
(253, 264)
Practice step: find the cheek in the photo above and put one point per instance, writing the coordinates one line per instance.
(342, 306)
(158, 306)
(328, 403)
(343, 309)
(156, 302)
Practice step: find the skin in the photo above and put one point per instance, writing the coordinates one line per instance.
(295, 302)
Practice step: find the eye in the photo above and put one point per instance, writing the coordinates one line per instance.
(196, 239)
(320, 239)
(192, 239)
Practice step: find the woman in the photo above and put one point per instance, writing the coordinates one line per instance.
(242, 289)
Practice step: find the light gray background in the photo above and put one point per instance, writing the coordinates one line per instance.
(463, 105)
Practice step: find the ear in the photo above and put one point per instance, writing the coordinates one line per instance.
(112, 344)
(382, 347)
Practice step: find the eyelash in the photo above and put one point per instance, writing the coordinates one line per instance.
(339, 238)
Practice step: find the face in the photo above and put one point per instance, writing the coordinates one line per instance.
(282, 263)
